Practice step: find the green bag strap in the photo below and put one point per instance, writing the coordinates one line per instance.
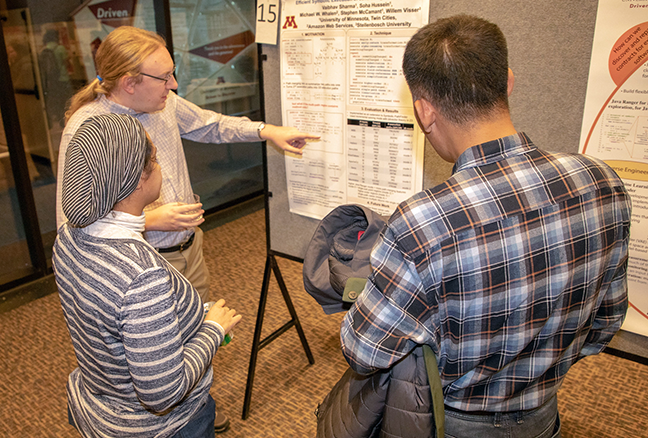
(436, 389)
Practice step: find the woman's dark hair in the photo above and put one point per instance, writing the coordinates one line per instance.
(149, 158)
(51, 36)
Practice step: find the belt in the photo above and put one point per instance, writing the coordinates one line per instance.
(480, 413)
(180, 247)
(490, 414)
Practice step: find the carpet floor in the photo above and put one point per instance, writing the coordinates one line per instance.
(602, 396)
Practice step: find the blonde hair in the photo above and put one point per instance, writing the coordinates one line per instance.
(120, 54)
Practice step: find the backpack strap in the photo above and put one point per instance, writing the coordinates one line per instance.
(436, 389)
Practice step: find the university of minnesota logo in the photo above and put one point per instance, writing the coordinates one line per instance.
(290, 22)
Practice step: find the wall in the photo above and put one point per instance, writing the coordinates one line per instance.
(550, 46)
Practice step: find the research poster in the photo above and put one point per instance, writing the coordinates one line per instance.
(341, 78)
(615, 127)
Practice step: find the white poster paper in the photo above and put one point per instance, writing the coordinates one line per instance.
(341, 78)
(615, 127)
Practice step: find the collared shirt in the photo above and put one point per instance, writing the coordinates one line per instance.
(179, 119)
(511, 270)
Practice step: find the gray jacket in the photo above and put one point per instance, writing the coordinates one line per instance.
(339, 250)
(388, 404)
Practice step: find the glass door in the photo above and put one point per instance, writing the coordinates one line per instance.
(217, 69)
(48, 54)
(25, 153)
(15, 260)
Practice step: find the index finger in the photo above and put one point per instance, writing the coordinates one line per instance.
(306, 136)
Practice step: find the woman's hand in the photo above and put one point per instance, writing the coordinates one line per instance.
(174, 216)
(226, 317)
(287, 138)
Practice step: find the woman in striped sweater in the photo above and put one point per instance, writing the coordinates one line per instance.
(143, 348)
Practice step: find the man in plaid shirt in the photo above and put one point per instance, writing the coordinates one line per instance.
(511, 270)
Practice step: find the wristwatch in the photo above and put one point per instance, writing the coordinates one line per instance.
(259, 129)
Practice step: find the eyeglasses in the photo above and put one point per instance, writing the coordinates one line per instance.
(164, 79)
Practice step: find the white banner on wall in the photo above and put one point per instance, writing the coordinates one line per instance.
(341, 78)
(615, 127)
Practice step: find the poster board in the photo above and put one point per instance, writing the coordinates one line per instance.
(614, 126)
(342, 79)
(550, 47)
(549, 52)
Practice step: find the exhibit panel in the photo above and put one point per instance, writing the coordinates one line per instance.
(549, 54)
(550, 48)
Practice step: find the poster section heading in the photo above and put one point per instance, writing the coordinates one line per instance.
(345, 14)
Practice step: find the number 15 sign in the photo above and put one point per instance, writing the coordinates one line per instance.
(267, 21)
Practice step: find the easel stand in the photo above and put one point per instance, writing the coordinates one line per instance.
(271, 267)
(258, 343)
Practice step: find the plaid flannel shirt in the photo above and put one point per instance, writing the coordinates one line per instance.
(179, 119)
(511, 270)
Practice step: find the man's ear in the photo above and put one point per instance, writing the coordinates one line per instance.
(425, 113)
(127, 83)
(510, 83)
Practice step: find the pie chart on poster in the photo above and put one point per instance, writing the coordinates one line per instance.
(628, 54)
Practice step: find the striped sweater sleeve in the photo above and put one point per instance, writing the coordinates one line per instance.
(163, 371)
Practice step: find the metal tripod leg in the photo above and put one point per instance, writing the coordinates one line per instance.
(271, 266)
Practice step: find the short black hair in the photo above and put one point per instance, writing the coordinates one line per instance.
(460, 64)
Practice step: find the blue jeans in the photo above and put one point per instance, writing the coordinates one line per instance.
(201, 425)
(542, 422)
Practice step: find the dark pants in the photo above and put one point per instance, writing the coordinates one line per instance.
(542, 422)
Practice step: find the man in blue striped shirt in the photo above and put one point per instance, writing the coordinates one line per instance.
(512, 269)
